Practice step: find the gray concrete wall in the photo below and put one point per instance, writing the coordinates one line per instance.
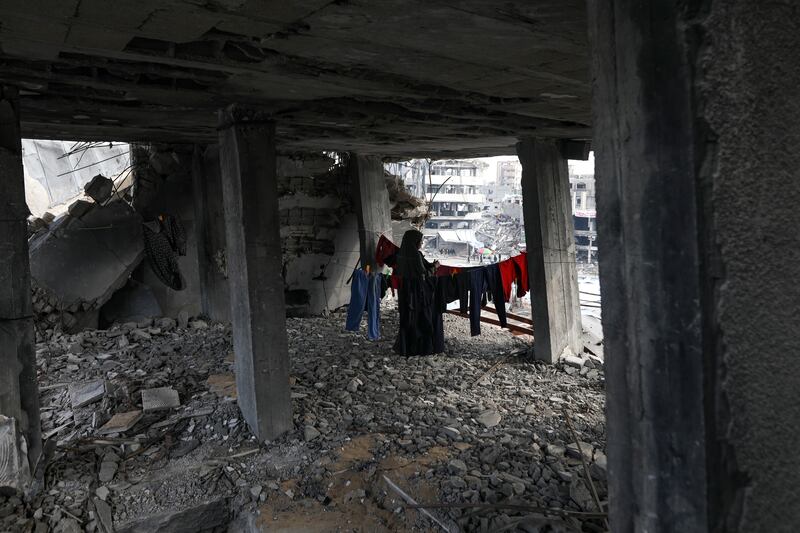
(319, 233)
(169, 190)
(209, 226)
(748, 139)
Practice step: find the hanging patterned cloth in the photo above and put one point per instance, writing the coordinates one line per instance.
(158, 245)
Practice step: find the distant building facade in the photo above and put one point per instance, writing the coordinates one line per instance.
(456, 201)
(584, 213)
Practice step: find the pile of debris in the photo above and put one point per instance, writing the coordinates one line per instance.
(501, 233)
(143, 434)
(405, 206)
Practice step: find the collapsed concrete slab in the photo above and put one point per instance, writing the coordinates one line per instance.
(79, 262)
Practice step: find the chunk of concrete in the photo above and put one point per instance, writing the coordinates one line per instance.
(79, 208)
(104, 515)
(14, 469)
(572, 360)
(80, 263)
(82, 394)
(159, 399)
(99, 189)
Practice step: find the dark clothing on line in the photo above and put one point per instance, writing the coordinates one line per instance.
(477, 279)
(462, 285)
(496, 292)
(446, 291)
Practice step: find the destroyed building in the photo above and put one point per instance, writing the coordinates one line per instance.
(259, 132)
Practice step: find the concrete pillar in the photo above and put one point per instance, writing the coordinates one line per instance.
(209, 216)
(371, 199)
(550, 240)
(696, 125)
(254, 259)
(19, 391)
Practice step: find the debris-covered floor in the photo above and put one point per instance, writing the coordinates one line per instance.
(480, 425)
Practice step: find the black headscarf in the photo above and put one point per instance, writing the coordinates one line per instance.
(410, 264)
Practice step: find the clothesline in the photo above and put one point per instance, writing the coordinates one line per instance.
(379, 258)
(421, 302)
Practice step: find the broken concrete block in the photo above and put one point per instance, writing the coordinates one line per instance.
(82, 262)
(82, 394)
(572, 361)
(99, 189)
(489, 418)
(104, 515)
(78, 208)
(159, 399)
(14, 469)
(108, 469)
(121, 422)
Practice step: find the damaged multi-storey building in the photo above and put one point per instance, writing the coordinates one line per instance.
(171, 354)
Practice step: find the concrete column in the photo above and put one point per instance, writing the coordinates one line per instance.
(258, 310)
(19, 391)
(210, 229)
(697, 124)
(371, 199)
(550, 239)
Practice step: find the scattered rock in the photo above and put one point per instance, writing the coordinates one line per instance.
(159, 399)
(102, 492)
(457, 467)
(82, 394)
(310, 433)
(489, 418)
(572, 360)
(451, 433)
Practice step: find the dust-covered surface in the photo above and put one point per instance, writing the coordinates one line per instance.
(477, 425)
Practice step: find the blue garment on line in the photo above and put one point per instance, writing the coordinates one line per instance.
(365, 293)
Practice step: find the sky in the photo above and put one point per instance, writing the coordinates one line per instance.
(575, 166)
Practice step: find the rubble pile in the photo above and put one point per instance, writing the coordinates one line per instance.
(501, 233)
(143, 434)
(405, 206)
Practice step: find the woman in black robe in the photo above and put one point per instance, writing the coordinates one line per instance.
(421, 330)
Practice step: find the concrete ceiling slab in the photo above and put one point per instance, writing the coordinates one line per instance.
(394, 77)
